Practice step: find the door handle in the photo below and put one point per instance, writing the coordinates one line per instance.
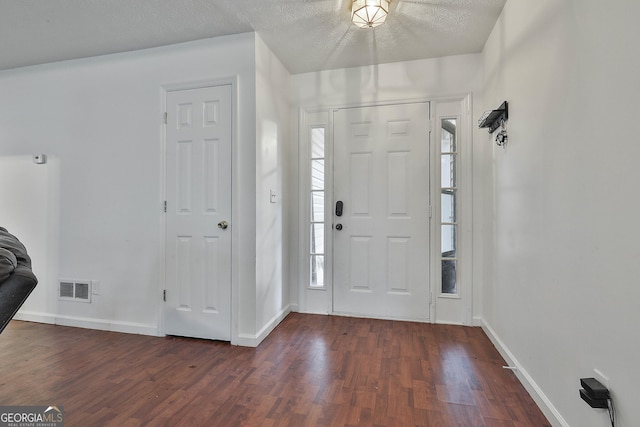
(223, 225)
(338, 226)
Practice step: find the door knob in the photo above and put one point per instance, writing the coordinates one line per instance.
(223, 225)
(338, 227)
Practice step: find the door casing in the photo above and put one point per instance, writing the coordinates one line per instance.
(321, 300)
(224, 81)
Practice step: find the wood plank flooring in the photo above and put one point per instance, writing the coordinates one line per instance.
(311, 371)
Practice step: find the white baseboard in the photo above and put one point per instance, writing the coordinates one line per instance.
(377, 317)
(442, 322)
(323, 313)
(248, 340)
(31, 316)
(88, 323)
(527, 381)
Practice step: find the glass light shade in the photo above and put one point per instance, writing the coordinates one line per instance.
(369, 13)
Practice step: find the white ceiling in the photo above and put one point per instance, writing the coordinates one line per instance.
(307, 35)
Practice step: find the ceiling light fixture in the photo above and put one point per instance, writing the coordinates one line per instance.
(369, 13)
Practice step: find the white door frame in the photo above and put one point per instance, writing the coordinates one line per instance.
(454, 309)
(321, 300)
(170, 87)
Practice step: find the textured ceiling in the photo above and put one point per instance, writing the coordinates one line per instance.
(307, 35)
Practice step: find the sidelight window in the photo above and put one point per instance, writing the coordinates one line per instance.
(448, 213)
(317, 201)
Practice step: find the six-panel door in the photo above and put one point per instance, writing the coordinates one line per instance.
(198, 186)
(381, 242)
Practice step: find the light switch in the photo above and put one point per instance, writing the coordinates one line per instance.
(272, 196)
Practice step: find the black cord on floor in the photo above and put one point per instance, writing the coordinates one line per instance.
(612, 412)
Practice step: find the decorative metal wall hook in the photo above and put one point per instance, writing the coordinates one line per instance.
(493, 119)
(501, 137)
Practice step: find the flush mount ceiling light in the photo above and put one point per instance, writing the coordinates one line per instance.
(369, 13)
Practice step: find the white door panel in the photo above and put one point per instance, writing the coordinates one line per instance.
(381, 174)
(198, 260)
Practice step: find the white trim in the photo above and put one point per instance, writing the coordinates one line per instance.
(303, 209)
(454, 308)
(543, 402)
(89, 323)
(449, 296)
(32, 316)
(322, 313)
(466, 221)
(477, 321)
(235, 210)
(467, 215)
(162, 249)
(308, 120)
(442, 322)
(248, 340)
(329, 213)
(376, 317)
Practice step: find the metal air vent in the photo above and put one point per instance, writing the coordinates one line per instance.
(75, 290)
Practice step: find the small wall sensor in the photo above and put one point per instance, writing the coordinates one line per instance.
(39, 159)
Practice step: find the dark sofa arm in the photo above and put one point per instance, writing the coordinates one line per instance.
(13, 293)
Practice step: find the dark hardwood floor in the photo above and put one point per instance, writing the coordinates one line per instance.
(312, 370)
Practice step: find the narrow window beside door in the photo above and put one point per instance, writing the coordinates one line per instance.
(317, 200)
(448, 213)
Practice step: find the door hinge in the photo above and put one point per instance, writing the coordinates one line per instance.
(430, 211)
(165, 118)
(430, 297)
(164, 206)
(164, 295)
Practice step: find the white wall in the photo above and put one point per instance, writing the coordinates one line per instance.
(400, 81)
(273, 125)
(29, 194)
(561, 292)
(98, 120)
(404, 81)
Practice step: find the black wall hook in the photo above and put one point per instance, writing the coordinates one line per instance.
(493, 119)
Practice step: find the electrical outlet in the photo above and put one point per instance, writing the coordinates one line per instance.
(95, 287)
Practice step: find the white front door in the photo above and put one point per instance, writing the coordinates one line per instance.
(198, 187)
(381, 240)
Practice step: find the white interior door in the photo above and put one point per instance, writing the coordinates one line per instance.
(381, 241)
(198, 246)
